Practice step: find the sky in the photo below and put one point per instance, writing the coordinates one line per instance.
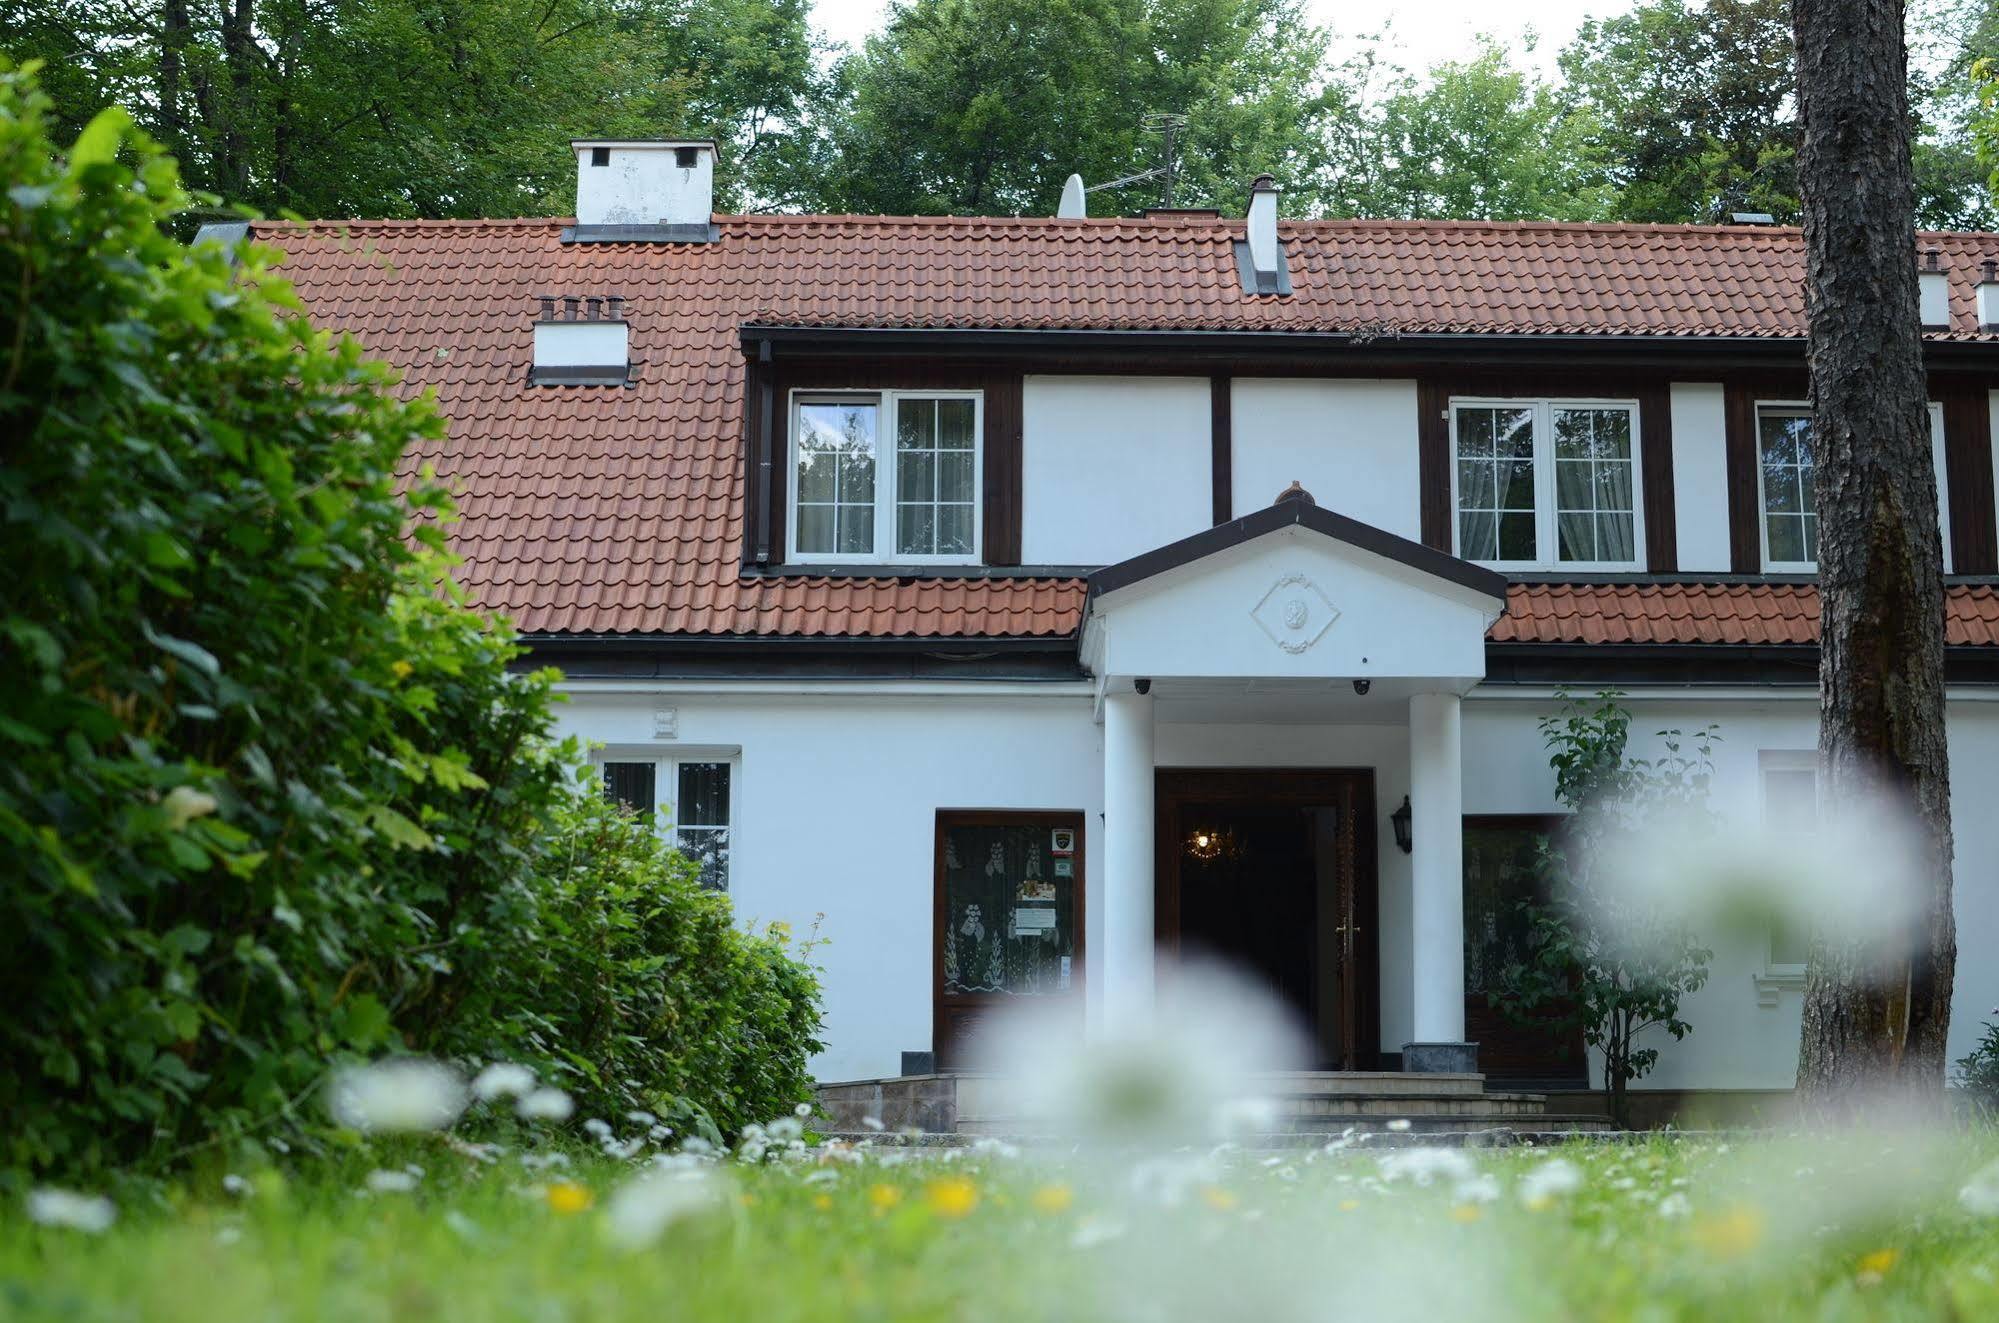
(1423, 31)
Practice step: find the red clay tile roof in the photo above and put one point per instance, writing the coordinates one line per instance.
(1767, 614)
(603, 510)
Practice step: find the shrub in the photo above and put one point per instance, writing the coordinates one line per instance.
(268, 791)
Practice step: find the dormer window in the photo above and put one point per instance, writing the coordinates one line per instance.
(885, 477)
(1547, 484)
(1788, 494)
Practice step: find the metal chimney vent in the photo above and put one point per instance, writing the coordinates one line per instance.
(581, 340)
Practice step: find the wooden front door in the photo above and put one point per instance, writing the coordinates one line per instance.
(1273, 873)
(1009, 920)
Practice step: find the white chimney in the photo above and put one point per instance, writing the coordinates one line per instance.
(1934, 293)
(637, 192)
(581, 341)
(1261, 258)
(1988, 295)
(1075, 201)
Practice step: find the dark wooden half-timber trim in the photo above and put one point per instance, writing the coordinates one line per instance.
(1433, 462)
(1967, 453)
(1745, 540)
(1655, 455)
(1002, 481)
(758, 410)
(1221, 438)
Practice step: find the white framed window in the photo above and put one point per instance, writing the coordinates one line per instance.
(1786, 492)
(1547, 483)
(888, 477)
(1789, 784)
(689, 795)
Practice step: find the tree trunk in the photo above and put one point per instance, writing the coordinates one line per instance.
(1875, 1017)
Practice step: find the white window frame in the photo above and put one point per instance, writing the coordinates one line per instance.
(1763, 513)
(1776, 978)
(1547, 527)
(887, 402)
(666, 787)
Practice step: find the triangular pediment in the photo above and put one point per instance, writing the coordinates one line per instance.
(1292, 591)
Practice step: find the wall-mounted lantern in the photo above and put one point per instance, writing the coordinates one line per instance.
(1400, 820)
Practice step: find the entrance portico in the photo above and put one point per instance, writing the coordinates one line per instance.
(1291, 615)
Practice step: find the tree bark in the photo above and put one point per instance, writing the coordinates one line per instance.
(1875, 1016)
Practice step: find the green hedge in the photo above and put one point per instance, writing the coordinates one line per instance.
(269, 795)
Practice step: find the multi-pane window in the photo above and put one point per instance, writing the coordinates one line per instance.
(890, 477)
(691, 798)
(1785, 478)
(1547, 483)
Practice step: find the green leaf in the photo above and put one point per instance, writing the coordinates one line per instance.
(99, 140)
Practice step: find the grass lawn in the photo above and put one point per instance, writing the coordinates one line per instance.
(1866, 1227)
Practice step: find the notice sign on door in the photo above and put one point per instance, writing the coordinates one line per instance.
(1034, 920)
(1062, 842)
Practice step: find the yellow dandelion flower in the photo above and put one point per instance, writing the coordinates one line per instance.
(822, 1202)
(402, 669)
(881, 1198)
(1731, 1234)
(953, 1197)
(1466, 1213)
(1218, 1199)
(1053, 1199)
(746, 1199)
(1873, 1267)
(569, 1197)
(1349, 1205)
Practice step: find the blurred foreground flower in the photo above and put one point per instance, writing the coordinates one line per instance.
(502, 1079)
(639, 1211)
(545, 1104)
(952, 1197)
(53, 1207)
(1980, 1194)
(1187, 1071)
(401, 1094)
(569, 1197)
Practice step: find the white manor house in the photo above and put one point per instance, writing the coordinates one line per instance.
(1026, 602)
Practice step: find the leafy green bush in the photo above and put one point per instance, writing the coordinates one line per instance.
(1978, 1071)
(268, 792)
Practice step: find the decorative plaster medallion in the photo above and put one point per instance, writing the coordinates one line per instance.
(1295, 613)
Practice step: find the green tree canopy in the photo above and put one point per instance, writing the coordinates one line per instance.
(1479, 140)
(342, 108)
(987, 106)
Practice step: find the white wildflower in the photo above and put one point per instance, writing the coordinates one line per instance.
(1421, 1166)
(641, 1118)
(785, 1129)
(803, 1111)
(1550, 1181)
(391, 1182)
(639, 1211)
(228, 1235)
(1399, 1125)
(1480, 1189)
(236, 1185)
(597, 1129)
(545, 1104)
(1980, 1194)
(405, 1093)
(1094, 1232)
(873, 1123)
(502, 1079)
(184, 804)
(52, 1207)
(1675, 1205)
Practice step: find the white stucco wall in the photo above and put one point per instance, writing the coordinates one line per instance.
(1700, 476)
(1351, 443)
(1738, 1043)
(835, 821)
(1113, 466)
(838, 789)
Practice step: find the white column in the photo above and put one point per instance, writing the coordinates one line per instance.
(1123, 979)
(1436, 865)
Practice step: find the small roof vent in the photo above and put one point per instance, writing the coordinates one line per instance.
(1751, 218)
(643, 192)
(581, 340)
(1933, 291)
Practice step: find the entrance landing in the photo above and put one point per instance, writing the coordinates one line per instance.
(1307, 1106)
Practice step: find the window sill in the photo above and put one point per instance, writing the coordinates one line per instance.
(848, 569)
(1776, 980)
